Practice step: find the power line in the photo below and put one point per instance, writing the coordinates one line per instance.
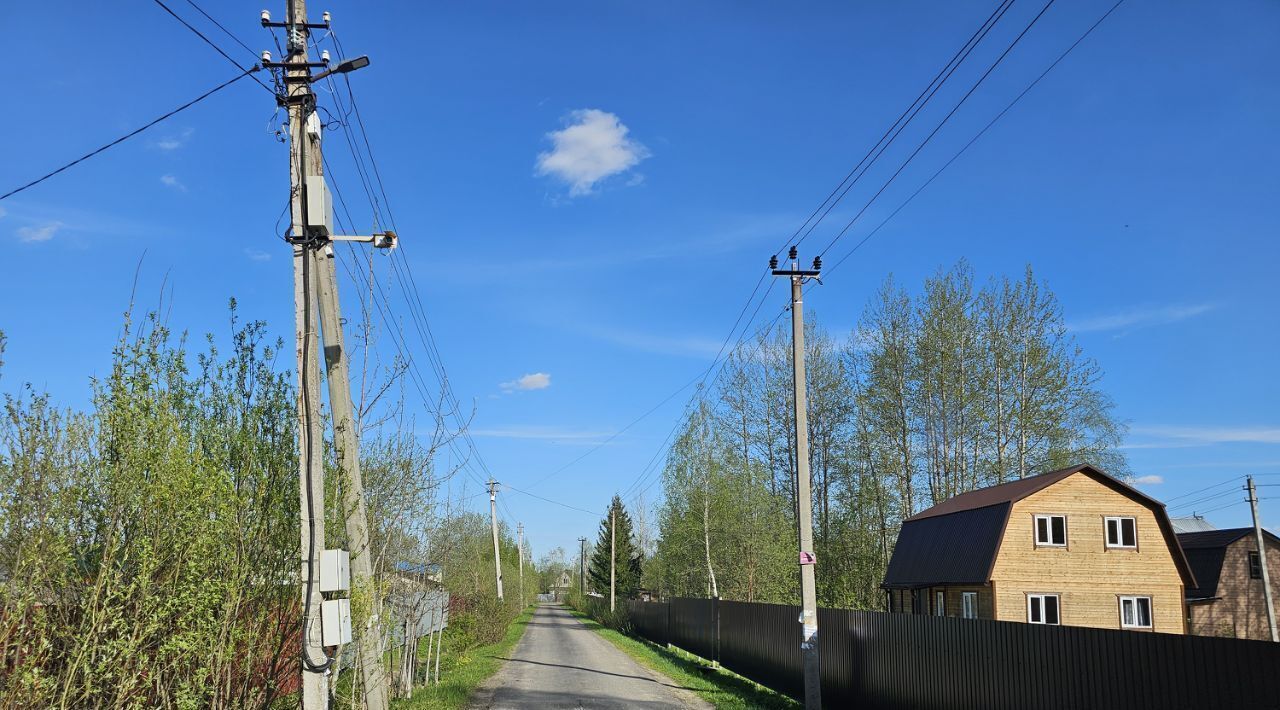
(213, 44)
(548, 500)
(133, 133)
(899, 125)
(940, 125)
(1201, 490)
(979, 135)
(217, 24)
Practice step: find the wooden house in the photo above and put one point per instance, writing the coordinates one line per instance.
(1070, 547)
(1228, 599)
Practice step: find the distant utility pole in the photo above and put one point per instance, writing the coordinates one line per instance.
(520, 552)
(582, 566)
(311, 234)
(1262, 558)
(804, 504)
(493, 519)
(613, 574)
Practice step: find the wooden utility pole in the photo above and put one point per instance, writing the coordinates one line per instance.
(493, 519)
(1262, 558)
(613, 574)
(804, 505)
(520, 553)
(316, 311)
(346, 439)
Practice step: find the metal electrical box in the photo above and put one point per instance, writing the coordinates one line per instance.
(319, 206)
(335, 570)
(335, 622)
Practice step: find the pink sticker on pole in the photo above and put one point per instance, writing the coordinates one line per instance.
(808, 558)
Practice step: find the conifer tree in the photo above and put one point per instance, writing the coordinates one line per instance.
(628, 557)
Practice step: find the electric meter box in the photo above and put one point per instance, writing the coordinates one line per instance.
(319, 206)
(335, 571)
(335, 622)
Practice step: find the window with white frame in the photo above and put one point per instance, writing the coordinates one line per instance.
(969, 605)
(1135, 612)
(1121, 532)
(940, 604)
(1051, 530)
(1042, 609)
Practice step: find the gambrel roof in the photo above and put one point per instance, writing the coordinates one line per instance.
(956, 541)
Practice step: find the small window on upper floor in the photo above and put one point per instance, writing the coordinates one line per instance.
(1121, 532)
(1051, 530)
(1255, 566)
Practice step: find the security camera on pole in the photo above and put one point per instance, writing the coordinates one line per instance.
(804, 505)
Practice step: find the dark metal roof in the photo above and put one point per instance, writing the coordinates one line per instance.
(971, 549)
(947, 549)
(1211, 538)
(1206, 563)
(1205, 552)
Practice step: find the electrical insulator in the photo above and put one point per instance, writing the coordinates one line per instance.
(266, 17)
(817, 263)
(327, 17)
(324, 56)
(266, 57)
(793, 253)
(773, 261)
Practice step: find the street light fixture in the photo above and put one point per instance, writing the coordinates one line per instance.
(345, 66)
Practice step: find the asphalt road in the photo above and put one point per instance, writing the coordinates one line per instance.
(560, 663)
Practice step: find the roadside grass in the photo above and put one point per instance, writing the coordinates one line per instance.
(461, 674)
(723, 689)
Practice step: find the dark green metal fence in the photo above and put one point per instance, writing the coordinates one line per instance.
(879, 660)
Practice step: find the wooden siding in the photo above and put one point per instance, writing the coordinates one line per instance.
(1241, 612)
(1088, 576)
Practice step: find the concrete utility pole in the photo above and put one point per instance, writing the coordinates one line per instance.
(1262, 558)
(582, 566)
(300, 103)
(315, 281)
(613, 574)
(804, 504)
(520, 552)
(493, 519)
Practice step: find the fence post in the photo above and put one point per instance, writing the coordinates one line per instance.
(715, 611)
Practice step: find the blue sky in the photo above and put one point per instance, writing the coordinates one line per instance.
(587, 193)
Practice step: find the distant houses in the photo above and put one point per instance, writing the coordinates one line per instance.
(1228, 598)
(1071, 547)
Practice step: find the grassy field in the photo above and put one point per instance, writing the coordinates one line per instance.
(718, 687)
(461, 675)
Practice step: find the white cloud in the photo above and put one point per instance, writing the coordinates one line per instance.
(174, 142)
(174, 182)
(1174, 437)
(257, 254)
(39, 234)
(592, 147)
(1140, 317)
(1149, 480)
(532, 381)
